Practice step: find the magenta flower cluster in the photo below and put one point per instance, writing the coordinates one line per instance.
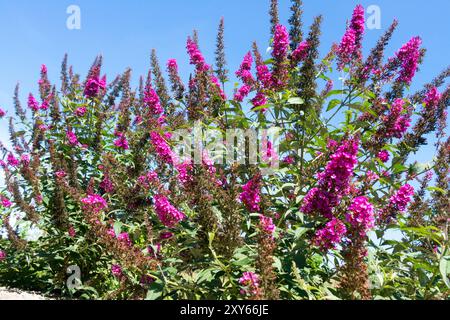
(244, 73)
(350, 46)
(328, 237)
(408, 57)
(250, 281)
(94, 85)
(346, 48)
(360, 215)
(81, 111)
(34, 105)
(397, 204)
(25, 159)
(2, 255)
(5, 202)
(300, 52)
(162, 148)
(266, 224)
(94, 203)
(250, 195)
(167, 213)
(121, 141)
(280, 53)
(400, 200)
(396, 123)
(60, 174)
(172, 65)
(432, 98)
(383, 155)
(357, 24)
(268, 151)
(124, 237)
(280, 43)
(72, 138)
(152, 102)
(264, 76)
(334, 181)
(147, 180)
(71, 232)
(338, 172)
(12, 161)
(318, 200)
(260, 99)
(116, 271)
(196, 57)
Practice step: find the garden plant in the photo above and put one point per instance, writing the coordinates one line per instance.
(99, 202)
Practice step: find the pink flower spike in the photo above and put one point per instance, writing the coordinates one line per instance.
(167, 213)
(121, 142)
(94, 86)
(94, 203)
(383, 155)
(12, 161)
(116, 271)
(6, 203)
(196, 57)
(72, 138)
(80, 112)
(300, 53)
(32, 103)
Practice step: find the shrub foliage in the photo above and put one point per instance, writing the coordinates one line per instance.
(91, 178)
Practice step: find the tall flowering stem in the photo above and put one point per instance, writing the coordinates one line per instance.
(398, 203)
(280, 74)
(250, 195)
(351, 43)
(354, 273)
(266, 250)
(333, 182)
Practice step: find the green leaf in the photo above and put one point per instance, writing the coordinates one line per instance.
(265, 106)
(211, 236)
(333, 103)
(437, 189)
(153, 294)
(444, 268)
(296, 100)
(18, 133)
(398, 168)
(334, 92)
(205, 275)
(243, 262)
(277, 264)
(118, 227)
(299, 232)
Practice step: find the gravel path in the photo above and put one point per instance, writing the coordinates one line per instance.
(14, 294)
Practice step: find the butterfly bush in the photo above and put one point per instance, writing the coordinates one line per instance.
(93, 176)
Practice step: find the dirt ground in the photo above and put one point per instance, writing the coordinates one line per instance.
(13, 294)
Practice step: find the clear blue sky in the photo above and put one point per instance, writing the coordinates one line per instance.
(35, 33)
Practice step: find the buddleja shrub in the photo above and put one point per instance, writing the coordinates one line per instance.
(93, 182)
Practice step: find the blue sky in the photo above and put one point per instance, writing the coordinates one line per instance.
(35, 33)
